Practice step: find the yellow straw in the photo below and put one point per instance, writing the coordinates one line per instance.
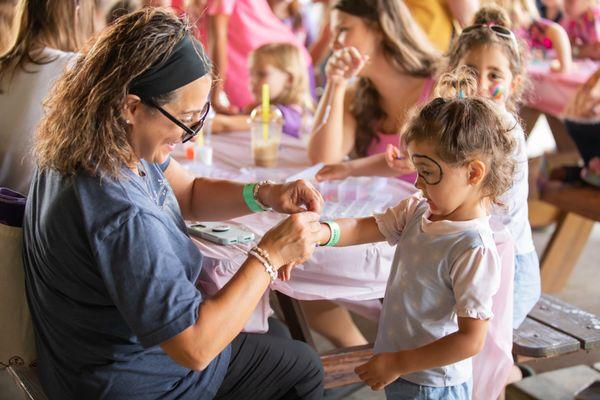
(266, 108)
(200, 139)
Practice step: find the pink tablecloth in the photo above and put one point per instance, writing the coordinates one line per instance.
(354, 274)
(550, 92)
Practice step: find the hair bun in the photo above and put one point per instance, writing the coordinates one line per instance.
(492, 14)
(459, 83)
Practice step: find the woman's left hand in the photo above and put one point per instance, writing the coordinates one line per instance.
(292, 197)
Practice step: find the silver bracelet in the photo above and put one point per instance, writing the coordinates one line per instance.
(255, 194)
(268, 266)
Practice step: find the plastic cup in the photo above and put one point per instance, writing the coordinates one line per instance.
(265, 136)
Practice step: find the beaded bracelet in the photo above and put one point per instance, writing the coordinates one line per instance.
(336, 233)
(256, 253)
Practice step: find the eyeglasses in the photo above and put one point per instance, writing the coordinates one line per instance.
(188, 131)
(501, 31)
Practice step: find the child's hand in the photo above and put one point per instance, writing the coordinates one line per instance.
(397, 160)
(381, 370)
(344, 64)
(332, 172)
(285, 272)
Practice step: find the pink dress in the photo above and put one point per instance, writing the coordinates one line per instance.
(251, 24)
(380, 146)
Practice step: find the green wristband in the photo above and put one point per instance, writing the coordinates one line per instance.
(336, 233)
(248, 193)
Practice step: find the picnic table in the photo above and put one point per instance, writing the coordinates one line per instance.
(550, 93)
(579, 208)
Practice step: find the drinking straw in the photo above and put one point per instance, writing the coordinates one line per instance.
(266, 108)
(200, 139)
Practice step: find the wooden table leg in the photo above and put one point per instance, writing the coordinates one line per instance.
(295, 319)
(562, 252)
(564, 143)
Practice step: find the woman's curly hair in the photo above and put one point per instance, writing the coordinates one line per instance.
(83, 128)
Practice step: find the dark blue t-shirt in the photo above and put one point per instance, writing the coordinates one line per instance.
(110, 274)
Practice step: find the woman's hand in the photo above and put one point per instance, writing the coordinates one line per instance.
(332, 172)
(344, 64)
(293, 240)
(398, 161)
(292, 197)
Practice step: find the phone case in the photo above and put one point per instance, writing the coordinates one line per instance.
(221, 233)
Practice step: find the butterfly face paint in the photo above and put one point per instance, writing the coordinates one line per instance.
(428, 169)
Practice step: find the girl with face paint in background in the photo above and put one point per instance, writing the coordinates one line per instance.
(491, 51)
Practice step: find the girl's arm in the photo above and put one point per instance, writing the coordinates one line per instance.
(392, 163)
(353, 231)
(384, 368)
(561, 44)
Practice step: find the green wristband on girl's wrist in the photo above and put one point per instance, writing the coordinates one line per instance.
(336, 233)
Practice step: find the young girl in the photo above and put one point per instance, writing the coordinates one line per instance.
(490, 49)
(280, 66)
(446, 268)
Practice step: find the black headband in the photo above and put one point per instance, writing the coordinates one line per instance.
(358, 8)
(186, 63)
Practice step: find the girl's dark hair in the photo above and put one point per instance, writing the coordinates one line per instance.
(515, 51)
(404, 45)
(463, 127)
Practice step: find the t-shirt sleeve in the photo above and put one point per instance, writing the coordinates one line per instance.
(475, 277)
(292, 120)
(220, 7)
(146, 280)
(391, 223)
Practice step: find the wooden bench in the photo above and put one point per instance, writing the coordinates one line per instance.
(26, 379)
(555, 385)
(553, 328)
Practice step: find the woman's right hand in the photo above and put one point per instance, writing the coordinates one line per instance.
(333, 172)
(344, 64)
(293, 240)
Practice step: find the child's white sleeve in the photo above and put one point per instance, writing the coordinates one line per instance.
(391, 223)
(475, 279)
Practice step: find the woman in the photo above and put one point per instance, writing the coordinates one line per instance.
(110, 269)
(379, 43)
(48, 32)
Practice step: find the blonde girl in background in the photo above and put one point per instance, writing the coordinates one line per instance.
(281, 66)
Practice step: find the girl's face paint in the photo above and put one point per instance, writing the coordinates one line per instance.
(497, 92)
(495, 79)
